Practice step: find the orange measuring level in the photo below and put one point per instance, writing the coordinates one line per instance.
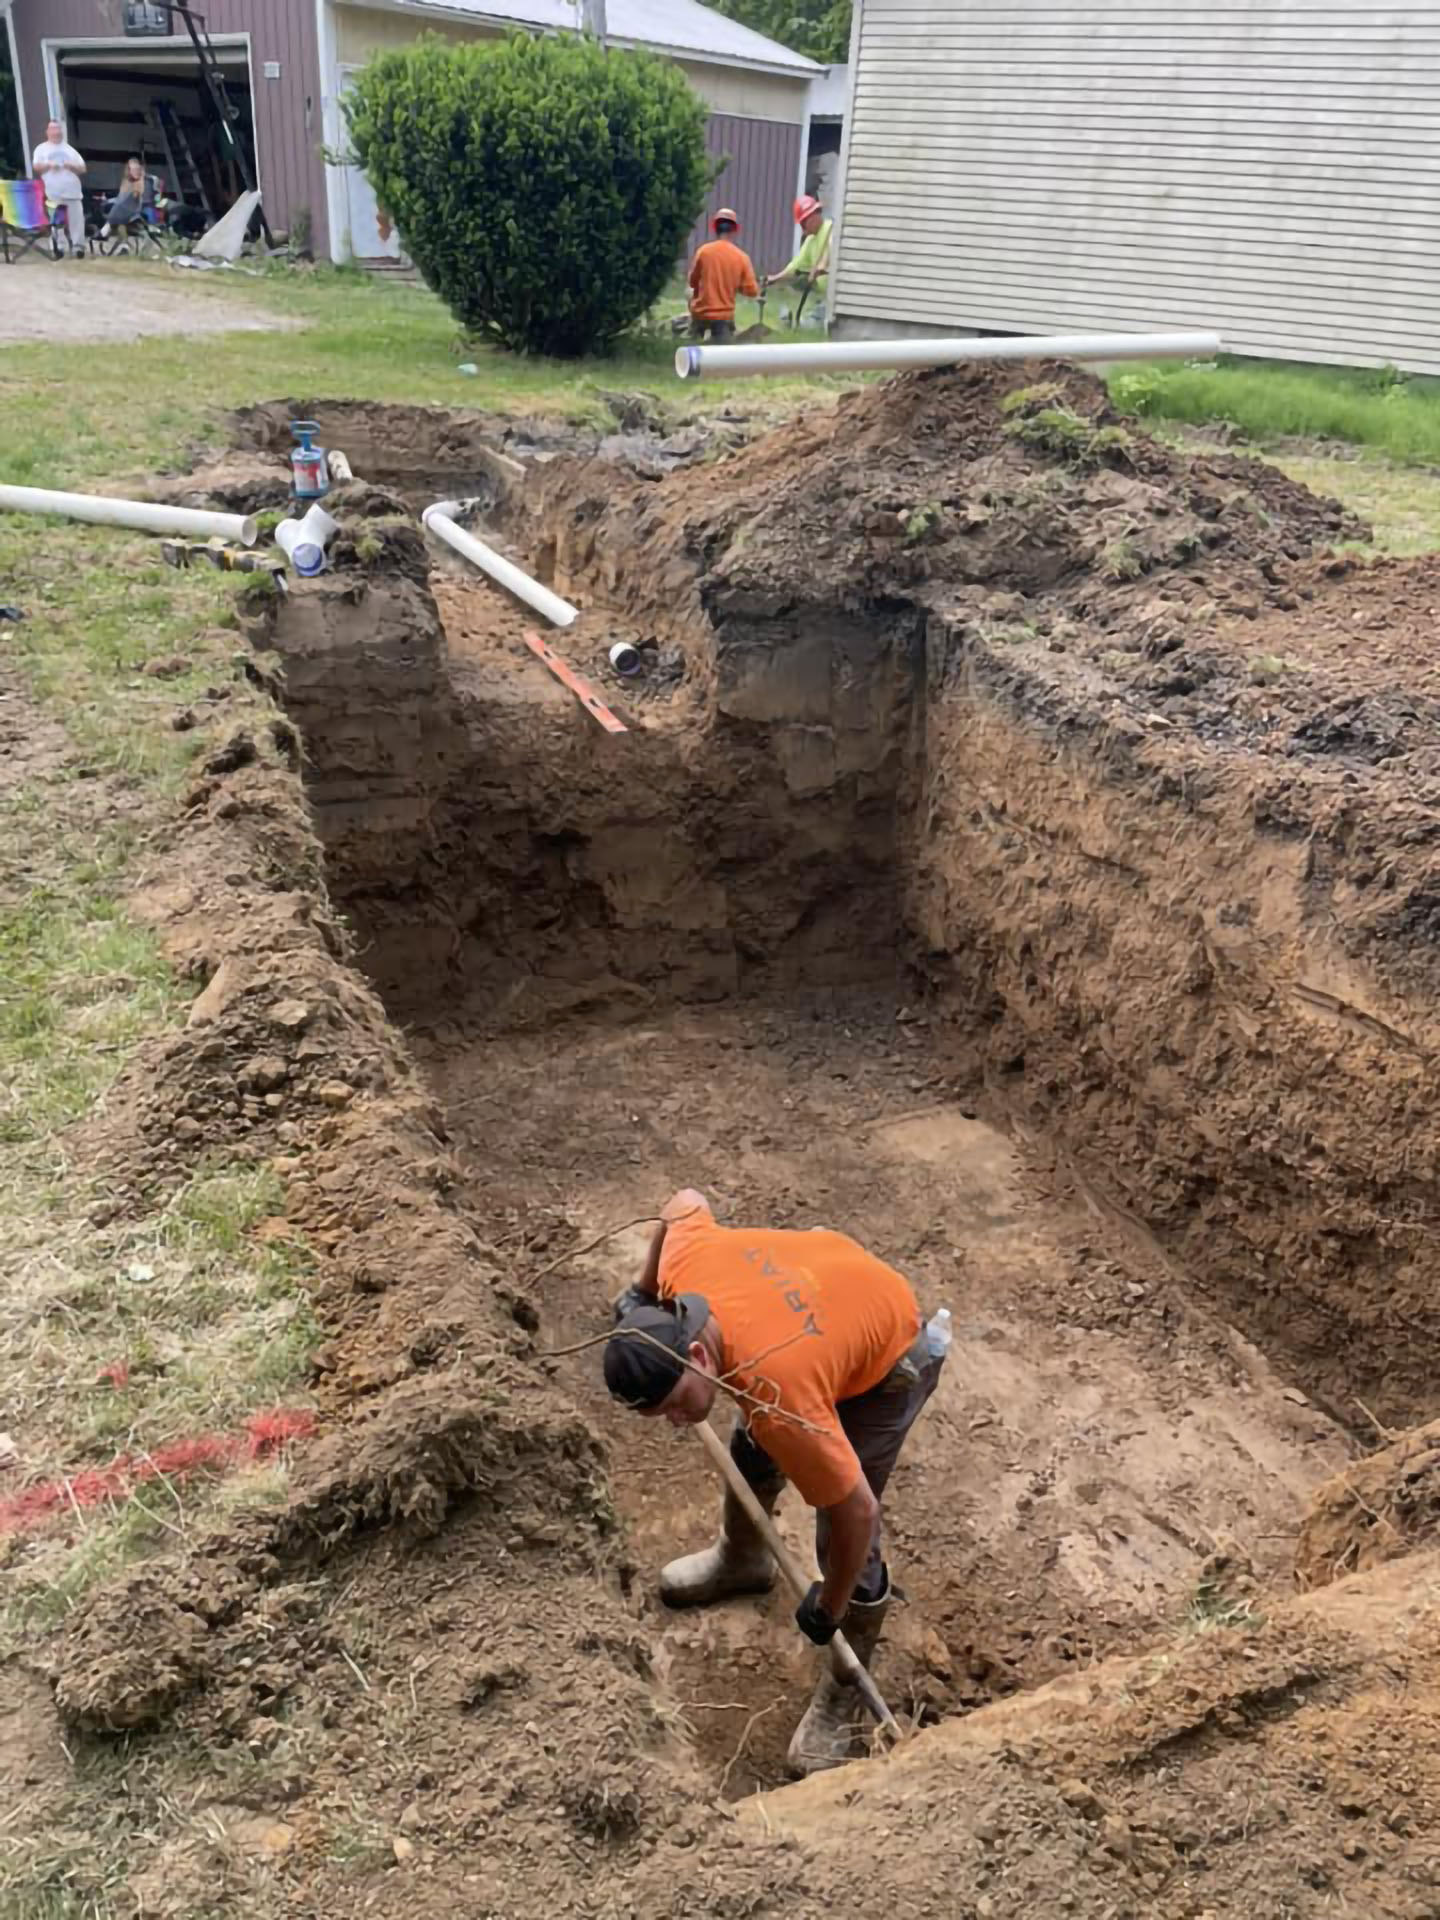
(580, 687)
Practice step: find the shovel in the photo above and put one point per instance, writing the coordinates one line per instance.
(758, 329)
(846, 1657)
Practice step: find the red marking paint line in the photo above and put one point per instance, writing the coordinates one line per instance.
(580, 687)
(262, 1435)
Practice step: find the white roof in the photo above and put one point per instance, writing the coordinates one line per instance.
(680, 27)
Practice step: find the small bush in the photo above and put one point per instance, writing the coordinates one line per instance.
(544, 187)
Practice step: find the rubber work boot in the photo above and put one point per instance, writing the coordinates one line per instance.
(836, 1716)
(739, 1561)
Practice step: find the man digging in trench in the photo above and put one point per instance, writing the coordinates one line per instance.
(821, 1346)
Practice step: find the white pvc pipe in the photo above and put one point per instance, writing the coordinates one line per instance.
(145, 516)
(339, 465)
(875, 356)
(303, 542)
(441, 522)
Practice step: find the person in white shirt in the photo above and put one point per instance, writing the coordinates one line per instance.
(57, 163)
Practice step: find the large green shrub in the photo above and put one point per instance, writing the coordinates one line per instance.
(544, 187)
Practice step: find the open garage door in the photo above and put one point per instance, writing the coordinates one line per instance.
(150, 99)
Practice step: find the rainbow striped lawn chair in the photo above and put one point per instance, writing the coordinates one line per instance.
(24, 217)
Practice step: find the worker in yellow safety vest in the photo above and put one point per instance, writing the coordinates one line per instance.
(811, 265)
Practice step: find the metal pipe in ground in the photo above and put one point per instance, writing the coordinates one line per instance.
(885, 356)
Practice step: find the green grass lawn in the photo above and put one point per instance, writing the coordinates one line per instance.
(1270, 401)
(1367, 436)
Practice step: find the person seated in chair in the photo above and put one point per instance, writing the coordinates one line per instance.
(135, 199)
(59, 166)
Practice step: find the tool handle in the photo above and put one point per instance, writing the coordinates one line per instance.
(845, 1655)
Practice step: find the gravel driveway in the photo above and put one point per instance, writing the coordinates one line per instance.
(65, 302)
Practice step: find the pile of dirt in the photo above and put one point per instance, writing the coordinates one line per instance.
(1014, 493)
(1280, 1767)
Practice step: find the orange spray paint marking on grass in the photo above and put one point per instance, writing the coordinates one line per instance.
(263, 1434)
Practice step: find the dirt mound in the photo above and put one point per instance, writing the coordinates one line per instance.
(1379, 1509)
(130, 1657)
(1274, 1768)
(1015, 492)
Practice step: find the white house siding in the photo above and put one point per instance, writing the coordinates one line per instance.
(1269, 170)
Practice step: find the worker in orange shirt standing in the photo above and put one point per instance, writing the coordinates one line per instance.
(719, 271)
(821, 1345)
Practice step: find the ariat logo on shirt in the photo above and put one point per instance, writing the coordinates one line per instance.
(789, 1284)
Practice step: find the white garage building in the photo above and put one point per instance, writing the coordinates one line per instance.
(1267, 168)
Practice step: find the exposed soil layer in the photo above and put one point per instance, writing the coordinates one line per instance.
(1093, 1437)
(998, 712)
(1378, 1509)
(970, 877)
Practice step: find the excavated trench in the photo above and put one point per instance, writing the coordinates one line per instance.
(923, 904)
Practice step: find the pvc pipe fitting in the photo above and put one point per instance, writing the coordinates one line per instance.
(303, 541)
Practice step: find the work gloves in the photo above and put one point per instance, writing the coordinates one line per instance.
(627, 1301)
(812, 1619)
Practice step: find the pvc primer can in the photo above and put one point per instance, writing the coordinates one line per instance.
(309, 474)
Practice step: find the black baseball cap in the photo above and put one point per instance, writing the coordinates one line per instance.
(645, 1355)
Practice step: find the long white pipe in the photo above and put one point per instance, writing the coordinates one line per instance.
(872, 356)
(146, 516)
(440, 519)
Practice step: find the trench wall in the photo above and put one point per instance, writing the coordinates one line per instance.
(495, 845)
(1178, 966)
(1164, 959)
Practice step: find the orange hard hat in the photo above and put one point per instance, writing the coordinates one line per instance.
(805, 206)
(725, 213)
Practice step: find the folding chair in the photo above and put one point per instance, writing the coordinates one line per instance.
(145, 234)
(25, 219)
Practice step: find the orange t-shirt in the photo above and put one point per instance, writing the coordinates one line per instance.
(808, 1315)
(718, 272)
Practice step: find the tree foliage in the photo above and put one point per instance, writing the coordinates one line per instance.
(543, 186)
(820, 28)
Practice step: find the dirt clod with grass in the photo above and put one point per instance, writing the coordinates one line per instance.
(1022, 855)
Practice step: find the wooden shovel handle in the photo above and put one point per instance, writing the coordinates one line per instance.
(849, 1661)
